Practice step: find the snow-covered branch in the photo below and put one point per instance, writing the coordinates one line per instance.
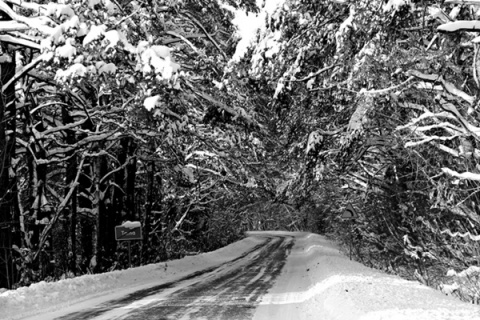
(428, 139)
(424, 116)
(461, 25)
(464, 175)
(18, 41)
(23, 71)
(313, 75)
(450, 128)
(40, 23)
(387, 90)
(470, 2)
(463, 235)
(446, 149)
(431, 139)
(449, 87)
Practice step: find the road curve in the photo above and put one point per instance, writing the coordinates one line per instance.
(229, 291)
(274, 275)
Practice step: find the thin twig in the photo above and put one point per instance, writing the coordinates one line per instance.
(59, 210)
(386, 90)
(314, 74)
(182, 38)
(125, 18)
(329, 87)
(475, 57)
(206, 33)
(23, 71)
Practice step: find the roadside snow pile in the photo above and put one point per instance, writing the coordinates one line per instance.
(46, 294)
(41, 297)
(470, 271)
(332, 287)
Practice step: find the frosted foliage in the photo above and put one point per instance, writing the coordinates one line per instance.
(310, 83)
(270, 45)
(106, 68)
(113, 37)
(248, 25)
(162, 51)
(59, 10)
(150, 102)
(92, 3)
(395, 4)
(279, 89)
(82, 29)
(111, 7)
(76, 70)
(313, 139)
(95, 33)
(188, 172)
(67, 51)
(156, 59)
(72, 23)
(57, 36)
(341, 36)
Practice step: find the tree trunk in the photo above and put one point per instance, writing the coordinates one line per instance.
(70, 177)
(87, 220)
(104, 225)
(130, 187)
(148, 210)
(8, 218)
(118, 195)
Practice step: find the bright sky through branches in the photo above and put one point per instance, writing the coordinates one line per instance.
(248, 24)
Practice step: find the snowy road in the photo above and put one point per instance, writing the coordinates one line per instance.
(230, 291)
(268, 275)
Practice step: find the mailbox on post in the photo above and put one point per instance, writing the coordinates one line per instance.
(129, 230)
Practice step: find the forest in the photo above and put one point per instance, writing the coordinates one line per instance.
(134, 110)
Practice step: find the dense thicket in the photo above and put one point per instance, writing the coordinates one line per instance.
(125, 110)
(374, 104)
(113, 111)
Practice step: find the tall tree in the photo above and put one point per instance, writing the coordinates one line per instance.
(8, 212)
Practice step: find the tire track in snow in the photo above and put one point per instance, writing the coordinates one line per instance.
(203, 289)
(230, 293)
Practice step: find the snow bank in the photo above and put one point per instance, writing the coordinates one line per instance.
(317, 281)
(42, 297)
(333, 287)
(470, 271)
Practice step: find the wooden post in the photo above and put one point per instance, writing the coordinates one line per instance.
(129, 255)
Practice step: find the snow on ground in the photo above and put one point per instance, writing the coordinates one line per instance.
(333, 287)
(93, 289)
(317, 282)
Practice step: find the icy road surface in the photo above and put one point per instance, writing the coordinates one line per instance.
(268, 275)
